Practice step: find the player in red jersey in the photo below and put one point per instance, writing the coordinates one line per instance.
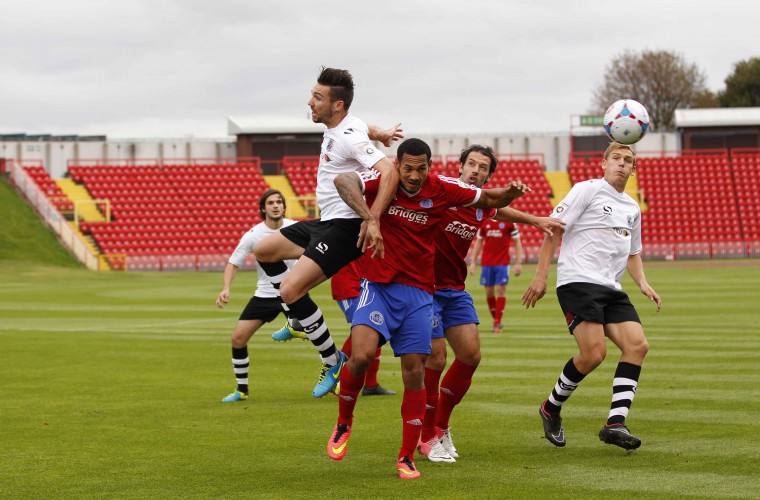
(454, 313)
(397, 294)
(493, 241)
(345, 286)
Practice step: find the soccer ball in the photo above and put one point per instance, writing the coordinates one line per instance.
(626, 121)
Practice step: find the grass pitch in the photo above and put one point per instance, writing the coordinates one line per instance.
(110, 387)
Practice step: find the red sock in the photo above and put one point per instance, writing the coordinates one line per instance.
(492, 306)
(350, 385)
(432, 377)
(370, 379)
(347, 347)
(412, 413)
(454, 386)
(500, 302)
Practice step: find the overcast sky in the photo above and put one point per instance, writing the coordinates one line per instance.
(175, 68)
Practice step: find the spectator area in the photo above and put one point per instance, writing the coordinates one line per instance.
(175, 209)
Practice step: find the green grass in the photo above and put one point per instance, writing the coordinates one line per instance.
(110, 386)
(24, 238)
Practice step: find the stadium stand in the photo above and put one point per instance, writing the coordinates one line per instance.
(745, 163)
(175, 209)
(48, 186)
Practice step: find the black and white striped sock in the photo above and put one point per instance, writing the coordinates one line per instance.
(566, 383)
(240, 364)
(276, 272)
(313, 323)
(623, 391)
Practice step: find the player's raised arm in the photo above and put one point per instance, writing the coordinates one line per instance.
(385, 136)
(501, 197)
(544, 224)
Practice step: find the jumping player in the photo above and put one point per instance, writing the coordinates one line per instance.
(323, 246)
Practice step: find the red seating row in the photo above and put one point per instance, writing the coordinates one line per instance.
(48, 186)
(173, 209)
(692, 197)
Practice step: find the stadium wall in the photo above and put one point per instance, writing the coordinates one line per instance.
(55, 155)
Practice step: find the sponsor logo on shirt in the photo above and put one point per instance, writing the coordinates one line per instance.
(330, 144)
(327, 158)
(494, 233)
(607, 210)
(466, 231)
(410, 215)
(348, 131)
(560, 208)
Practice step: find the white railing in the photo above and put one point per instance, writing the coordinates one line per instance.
(51, 216)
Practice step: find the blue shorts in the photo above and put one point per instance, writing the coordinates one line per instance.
(348, 306)
(494, 275)
(452, 308)
(401, 314)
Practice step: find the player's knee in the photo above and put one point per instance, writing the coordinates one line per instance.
(290, 292)
(640, 349)
(361, 360)
(436, 360)
(238, 340)
(591, 358)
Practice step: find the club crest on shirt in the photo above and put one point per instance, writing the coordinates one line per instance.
(376, 317)
(426, 203)
(560, 208)
(629, 219)
(479, 214)
(435, 321)
(502, 225)
(330, 145)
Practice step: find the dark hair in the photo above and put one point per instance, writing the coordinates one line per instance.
(341, 85)
(413, 147)
(484, 150)
(263, 201)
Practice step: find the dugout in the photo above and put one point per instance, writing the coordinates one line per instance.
(718, 128)
(272, 138)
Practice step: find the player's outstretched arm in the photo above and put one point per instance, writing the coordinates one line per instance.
(501, 197)
(386, 136)
(350, 190)
(544, 224)
(537, 288)
(224, 296)
(635, 268)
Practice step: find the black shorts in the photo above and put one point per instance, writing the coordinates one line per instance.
(265, 309)
(597, 303)
(331, 243)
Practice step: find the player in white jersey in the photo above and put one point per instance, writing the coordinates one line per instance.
(323, 246)
(264, 306)
(602, 239)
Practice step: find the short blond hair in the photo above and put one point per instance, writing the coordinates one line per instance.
(617, 145)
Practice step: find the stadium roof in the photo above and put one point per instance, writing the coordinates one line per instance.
(237, 125)
(717, 117)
